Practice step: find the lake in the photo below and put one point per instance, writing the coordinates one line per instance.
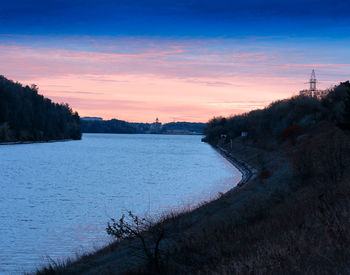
(56, 198)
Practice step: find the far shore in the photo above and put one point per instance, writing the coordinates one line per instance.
(167, 134)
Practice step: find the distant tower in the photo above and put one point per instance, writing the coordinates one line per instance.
(313, 82)
(313, 92)
(156, 127)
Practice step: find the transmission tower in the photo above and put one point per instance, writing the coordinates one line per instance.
(313, 82)
(313, 92)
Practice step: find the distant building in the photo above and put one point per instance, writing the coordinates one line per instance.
(156, 127)
(313, 91)
(92, 118)
(244, 134)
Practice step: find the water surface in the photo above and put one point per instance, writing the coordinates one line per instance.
(56, 198)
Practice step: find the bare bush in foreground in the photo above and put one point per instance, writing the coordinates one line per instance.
(148, 232)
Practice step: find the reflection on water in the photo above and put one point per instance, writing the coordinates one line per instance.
(56, 198)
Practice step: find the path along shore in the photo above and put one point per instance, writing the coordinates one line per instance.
(247, 171)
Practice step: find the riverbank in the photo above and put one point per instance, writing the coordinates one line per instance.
(31, 142)
(247, 171)
(120, 256)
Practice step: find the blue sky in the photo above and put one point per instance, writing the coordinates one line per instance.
(178, 60)
(176, 18)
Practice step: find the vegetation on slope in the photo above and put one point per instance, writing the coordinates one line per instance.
(27, 116)
(285, 119)
(299, 225)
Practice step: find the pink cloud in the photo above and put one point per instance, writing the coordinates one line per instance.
(140, 79)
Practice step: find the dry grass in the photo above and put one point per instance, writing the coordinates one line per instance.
(307, 233)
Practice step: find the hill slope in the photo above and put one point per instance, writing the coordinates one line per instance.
(27, 116)
(285, 119)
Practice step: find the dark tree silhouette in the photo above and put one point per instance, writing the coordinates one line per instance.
(27, 116)
(123, 127)
(285, 119)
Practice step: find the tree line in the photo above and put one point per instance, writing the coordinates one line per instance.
(109, 126)
(117, 126)
(26, 115)
(284, 119)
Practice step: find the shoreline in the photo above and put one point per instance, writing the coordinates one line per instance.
(33, 142)
(247, 171)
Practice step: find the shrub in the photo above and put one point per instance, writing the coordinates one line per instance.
(322, 157)
(132, 227)
(291, 133)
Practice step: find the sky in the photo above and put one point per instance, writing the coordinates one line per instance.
(175, 60)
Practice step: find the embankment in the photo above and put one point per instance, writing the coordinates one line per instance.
(246, 170)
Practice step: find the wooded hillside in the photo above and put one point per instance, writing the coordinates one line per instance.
(27, 116)
(285, 119)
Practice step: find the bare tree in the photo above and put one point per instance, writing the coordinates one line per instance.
(150, 234)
